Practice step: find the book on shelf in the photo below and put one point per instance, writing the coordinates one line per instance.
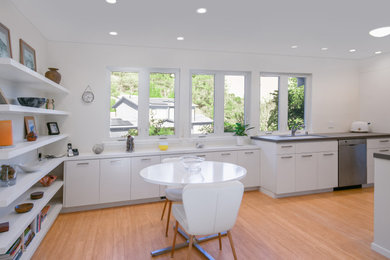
(28, 236)
(15, 251)
(41, 217)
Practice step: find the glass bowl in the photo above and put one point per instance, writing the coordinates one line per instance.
(191, 162)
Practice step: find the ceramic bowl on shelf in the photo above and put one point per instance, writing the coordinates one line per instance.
(31, 101)
(36, 195)
(47, 180)
(191, 163)
(31, 167)
(23, 208)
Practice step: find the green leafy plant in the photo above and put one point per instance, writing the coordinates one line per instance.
(240, 129)
(131, 132)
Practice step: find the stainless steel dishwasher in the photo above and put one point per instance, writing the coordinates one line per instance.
(352, 162)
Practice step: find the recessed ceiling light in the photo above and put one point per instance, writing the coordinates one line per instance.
(324, 49)
(111, 1)
(113, 33)
(378, 52)
(380, 32)
(352, 50)
(180, 38)
(294, 46)
(201, 10)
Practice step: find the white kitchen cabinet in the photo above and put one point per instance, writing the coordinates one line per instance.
(208, 156)
(285, 173)
(115, 177)
(225, 156)
(81, 185)
(141, 189)
(250, 160)
(328, 170)
(306, 172)
(375, 145)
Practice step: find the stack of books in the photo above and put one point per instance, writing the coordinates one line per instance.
(41, 217)
(15, 252)
(28, 236)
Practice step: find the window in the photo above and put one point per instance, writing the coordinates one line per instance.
(218, 101)
(283, 102)
(143, 102)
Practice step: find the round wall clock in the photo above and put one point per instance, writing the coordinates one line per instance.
(88, 95)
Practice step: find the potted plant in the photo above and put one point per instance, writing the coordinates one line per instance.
(240, 130)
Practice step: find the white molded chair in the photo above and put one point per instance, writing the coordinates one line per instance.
(172, 194)
(208, 209)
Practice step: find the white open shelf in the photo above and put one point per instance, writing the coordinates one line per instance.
(13, 71)
(18, 222)
(24, 181)
(24, 147)
(54, 210)
(15, 109)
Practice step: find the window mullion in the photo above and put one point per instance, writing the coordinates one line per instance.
(283, 103)
(143, 104)
(219, 103)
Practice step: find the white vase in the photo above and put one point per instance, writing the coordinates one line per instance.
(241, 140)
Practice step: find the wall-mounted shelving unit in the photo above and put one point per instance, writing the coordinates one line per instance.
(14, 74)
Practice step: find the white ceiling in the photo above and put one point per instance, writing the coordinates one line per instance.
(253, 26)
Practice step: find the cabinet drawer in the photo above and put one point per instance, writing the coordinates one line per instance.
(314, 147)
(378, 143)
(285, 148)
(114, 180)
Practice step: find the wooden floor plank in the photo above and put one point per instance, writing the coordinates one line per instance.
(335, 225)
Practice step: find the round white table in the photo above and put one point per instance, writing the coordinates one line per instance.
(176, 174)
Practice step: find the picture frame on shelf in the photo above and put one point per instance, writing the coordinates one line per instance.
(5, 42)
(27, 55)
(53, 128)
(3, 99)
(30, 125)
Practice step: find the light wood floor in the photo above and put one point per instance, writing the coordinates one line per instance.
(336, 225)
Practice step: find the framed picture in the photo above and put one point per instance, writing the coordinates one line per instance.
(53, 128)
(3, 99)
(27, 55)
(5, 42)
(29, 121)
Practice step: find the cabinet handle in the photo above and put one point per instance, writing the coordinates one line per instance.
(286, 157)
(114, 161)
(384, 150)
(248, 152)
(146, 159)
(82, 163)
(384, 141)
(201, 155)
(328, 154)
(225, 153)
(286, 146)
(308, 155)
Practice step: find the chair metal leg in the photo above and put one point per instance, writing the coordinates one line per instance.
(169, 215)
(190, 247)
(231, 244)
(165, 206)
(220, 241)
(174, 238)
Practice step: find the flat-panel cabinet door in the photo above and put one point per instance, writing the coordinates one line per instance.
(250, 160)
(114, 180)
(141, 189)
(327, 170)
(306, 172)
(81, 185)
(163, 187)
(285, 173)
(370, 162)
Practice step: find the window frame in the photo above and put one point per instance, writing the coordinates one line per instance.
(283, 100)
(143, 99)
(219, 99)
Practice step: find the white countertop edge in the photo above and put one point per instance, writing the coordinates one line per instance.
(156, 152)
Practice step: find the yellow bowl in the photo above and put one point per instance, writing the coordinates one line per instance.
(163, 147)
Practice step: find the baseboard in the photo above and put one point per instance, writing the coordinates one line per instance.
(381, 250)
(300, 193)
(368, 185)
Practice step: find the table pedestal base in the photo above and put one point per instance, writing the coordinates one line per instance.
(195, 244)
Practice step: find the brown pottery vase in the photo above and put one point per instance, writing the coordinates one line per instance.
(54, 75)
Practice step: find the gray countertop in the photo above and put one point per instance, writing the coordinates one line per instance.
(318, 137)
(382, 156)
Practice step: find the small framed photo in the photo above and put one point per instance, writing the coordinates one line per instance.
(53, 128)
(27, 55)
(5, 42)
(29, 122)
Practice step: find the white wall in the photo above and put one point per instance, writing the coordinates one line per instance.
(374, 81)
(334, 93)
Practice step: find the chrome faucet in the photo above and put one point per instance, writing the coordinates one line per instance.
(295, 128)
